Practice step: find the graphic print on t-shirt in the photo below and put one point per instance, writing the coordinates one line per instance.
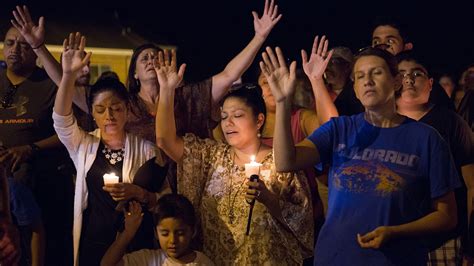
(19, 105)
(367, 177)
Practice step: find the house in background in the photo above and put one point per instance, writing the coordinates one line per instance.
(110, 43)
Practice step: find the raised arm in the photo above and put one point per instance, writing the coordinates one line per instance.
(169, 78)
(314, 69)
(238, 65)
(34, 35)
(72, 62)
(282, 83)
(116, 251)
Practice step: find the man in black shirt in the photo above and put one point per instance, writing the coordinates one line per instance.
(413, 102)
(31, 150)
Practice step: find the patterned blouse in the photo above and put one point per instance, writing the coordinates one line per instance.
(193, 113)
(215, 186)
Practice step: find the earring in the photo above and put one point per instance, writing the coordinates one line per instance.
(259, 135)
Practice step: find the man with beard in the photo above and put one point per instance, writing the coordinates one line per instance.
(29, 144)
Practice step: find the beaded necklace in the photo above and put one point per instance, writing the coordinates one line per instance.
(113, 156)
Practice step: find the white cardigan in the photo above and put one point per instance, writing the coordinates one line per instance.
(82, 148)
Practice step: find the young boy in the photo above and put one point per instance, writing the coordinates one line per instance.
(175, 226)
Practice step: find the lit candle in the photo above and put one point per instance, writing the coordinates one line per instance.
(252, 168)
(110, 178)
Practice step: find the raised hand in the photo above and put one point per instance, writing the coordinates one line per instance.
(33, 34)
(264, 25)
(74, 58)
(133, 218)
(168, 75)
(281, 80)
(319, 59)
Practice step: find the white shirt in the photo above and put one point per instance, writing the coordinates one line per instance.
(82, 147)
(157, 257)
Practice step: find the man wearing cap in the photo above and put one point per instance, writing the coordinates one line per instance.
(413, 102)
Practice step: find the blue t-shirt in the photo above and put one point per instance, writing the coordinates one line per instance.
(379, 176)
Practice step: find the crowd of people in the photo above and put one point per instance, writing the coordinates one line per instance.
(361, 159)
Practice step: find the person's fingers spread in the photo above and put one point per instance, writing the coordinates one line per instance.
(272, 57)
(181, 70)
(21, 15)
(325, 48)
(315, 45)
(26, 14)
(16, 25)
(77, 40)
(161, 60)
(65, 44)
(268, 63)
(265, 9)
(82, 43)
(86, 58)
(167, 57)
(71, 41)
(41, 22)
(264, 69)
(173, 58)
(274, 12)
(280, 57)
(18, 20)
(275, 21)
(293, 70)
(321, 45)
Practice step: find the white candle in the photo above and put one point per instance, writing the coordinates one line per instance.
(252, 168)
(110, 178)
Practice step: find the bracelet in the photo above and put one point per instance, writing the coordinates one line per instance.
(41, 44)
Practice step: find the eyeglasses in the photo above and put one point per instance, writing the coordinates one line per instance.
(381, 46)
(7, 98)
(414, 75)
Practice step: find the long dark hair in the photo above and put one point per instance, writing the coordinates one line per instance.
(133, 84)
(251, 95)
(108, 84)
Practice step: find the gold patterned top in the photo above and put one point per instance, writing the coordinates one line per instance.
(215, 186)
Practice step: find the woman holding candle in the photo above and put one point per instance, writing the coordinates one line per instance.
(212, 175)
(98, 156)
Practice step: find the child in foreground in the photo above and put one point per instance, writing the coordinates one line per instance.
(175, 226)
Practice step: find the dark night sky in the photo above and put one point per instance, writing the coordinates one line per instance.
(210, 33)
